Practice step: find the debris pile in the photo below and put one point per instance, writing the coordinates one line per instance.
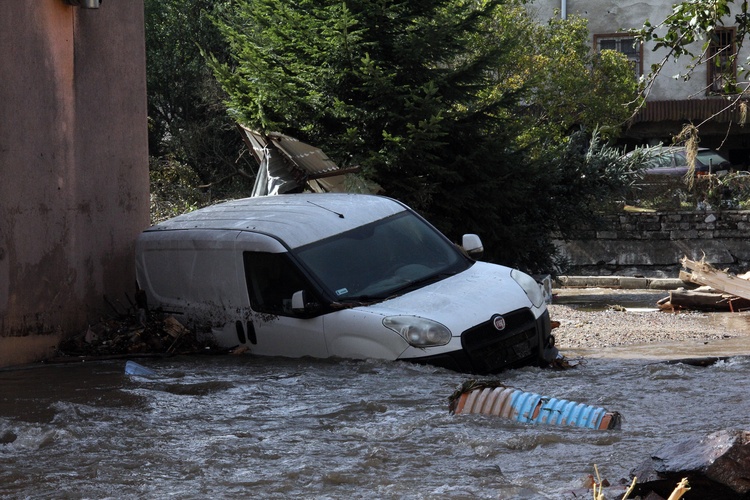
(718, 290)
(141, 333)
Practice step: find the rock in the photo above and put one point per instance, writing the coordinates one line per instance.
(717, 466)
(8, 437)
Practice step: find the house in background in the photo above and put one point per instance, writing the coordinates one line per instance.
(672, 102)
(74, 166)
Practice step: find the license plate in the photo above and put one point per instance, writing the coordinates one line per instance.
(522, 350)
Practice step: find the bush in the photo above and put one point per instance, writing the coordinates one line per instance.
(174, 189)
(731, 191)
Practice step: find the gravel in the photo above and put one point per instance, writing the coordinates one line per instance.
(609, 318)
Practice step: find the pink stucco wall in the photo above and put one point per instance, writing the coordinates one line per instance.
(73, 164)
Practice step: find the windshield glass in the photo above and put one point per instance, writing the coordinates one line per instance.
(711, 158)
(382, 258)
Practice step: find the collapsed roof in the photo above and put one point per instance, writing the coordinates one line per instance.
(288, 165)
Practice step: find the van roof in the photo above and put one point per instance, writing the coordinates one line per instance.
(296, 219)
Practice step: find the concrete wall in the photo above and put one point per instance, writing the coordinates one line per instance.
(74, 167)
(652, 244)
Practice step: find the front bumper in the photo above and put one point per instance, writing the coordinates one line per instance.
(486, 350)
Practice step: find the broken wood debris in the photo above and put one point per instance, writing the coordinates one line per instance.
(704, 298)
(704, 273)
(173, 327)
(718, 290)
(140, 333)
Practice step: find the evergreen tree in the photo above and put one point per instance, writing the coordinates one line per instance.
(188, 124)
(432, 98)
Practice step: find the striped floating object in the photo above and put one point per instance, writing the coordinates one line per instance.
(491, 398)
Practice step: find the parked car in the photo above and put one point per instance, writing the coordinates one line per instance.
(341, 275)
(672, 161)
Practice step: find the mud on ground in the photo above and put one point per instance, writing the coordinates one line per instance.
(601, 318)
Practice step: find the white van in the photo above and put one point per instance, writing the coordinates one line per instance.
(341, 275)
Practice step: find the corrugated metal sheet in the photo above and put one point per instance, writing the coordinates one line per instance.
(288, 165)
(722, 110)
(310, 159)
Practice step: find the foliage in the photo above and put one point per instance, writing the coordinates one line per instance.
(690, 191)
(706, 192)
(574, 86)
(589, 176)
(688, 31)
(459, 108)
(731, 191)
(671, 194)
(173, 189)
(187, 116)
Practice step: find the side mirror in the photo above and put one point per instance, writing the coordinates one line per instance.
(298, 302)
(472, 244)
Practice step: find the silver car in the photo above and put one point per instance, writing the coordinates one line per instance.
(672, 161)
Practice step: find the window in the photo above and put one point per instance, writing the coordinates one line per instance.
(382, 258)
(624, 44)
(271, 281)
(722, 68)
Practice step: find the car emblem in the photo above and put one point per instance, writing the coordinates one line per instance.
(499, 322)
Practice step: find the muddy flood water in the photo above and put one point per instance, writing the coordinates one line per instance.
(246, 427)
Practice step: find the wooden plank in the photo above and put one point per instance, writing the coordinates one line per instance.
(706, 301)
(705, 274)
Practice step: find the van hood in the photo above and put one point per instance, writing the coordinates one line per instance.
(461, 301)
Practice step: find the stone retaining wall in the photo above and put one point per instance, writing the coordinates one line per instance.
(652, 244)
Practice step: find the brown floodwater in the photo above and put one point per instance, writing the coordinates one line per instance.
(241, 426)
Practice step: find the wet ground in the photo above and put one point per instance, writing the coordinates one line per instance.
(240, 426)
(640, 304)
(601, 298)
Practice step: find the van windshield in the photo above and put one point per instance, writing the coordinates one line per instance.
(377, 260)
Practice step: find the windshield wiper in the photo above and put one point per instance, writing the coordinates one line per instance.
(357, 301)
(360, 298)
(433, 278)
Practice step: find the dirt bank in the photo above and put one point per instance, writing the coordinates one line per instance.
(612, 322)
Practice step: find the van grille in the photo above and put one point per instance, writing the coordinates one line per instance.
(490, 350)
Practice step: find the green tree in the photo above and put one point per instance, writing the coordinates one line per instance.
(688, 31)
(445, 103)
(575, 87)
(188, 123)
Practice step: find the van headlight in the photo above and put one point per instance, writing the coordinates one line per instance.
(419, 332)
(530, 286)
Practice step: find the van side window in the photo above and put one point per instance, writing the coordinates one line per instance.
(271, 281)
